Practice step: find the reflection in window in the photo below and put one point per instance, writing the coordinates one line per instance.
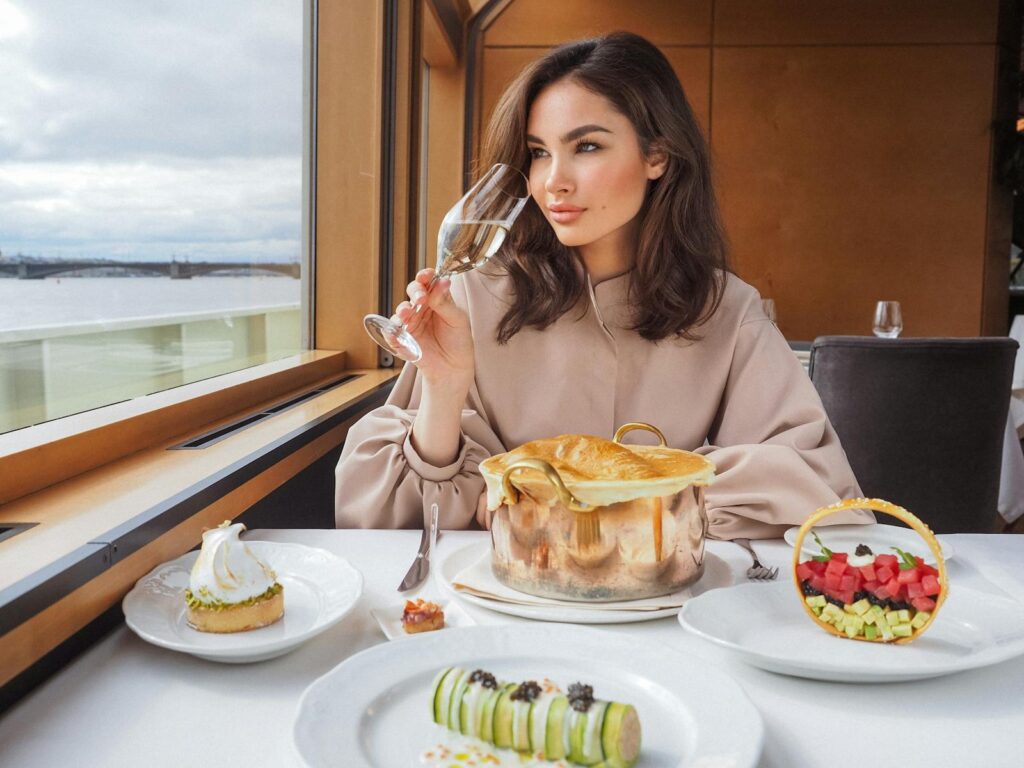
(150, 196)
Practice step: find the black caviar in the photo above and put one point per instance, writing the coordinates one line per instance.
(863, 549)
(807, 589)
(581, 696)
(486, 679)
(527, 691)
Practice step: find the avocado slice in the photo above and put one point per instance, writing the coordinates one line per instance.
(554, 742)
(521, 724)
(503, 718)
(439, 682)
(487, 709)
(457, 690)
(620, 735)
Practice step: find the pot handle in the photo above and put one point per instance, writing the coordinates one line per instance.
(564, 494)
(630, 426)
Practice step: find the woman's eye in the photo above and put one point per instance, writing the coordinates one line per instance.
(536, 152)
(587, 146)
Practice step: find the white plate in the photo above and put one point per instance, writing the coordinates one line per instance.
(767, 627)
(319, 589)
(716, 574)
(371, 711)
(389, 619)
(880, 537)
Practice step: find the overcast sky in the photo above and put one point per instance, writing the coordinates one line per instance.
(146, 128)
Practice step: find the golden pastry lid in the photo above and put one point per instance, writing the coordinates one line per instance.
(594, 470)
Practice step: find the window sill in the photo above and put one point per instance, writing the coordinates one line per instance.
(98, 532)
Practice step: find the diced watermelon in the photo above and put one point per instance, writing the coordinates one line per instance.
(927, 570)
(837, 567)
(920, 561)
(886, 561)
(884, 573)
(923, 604)
(832, 581)
(847, 596)
(840, 556)
(848, 582)
(930, 585)
(817, 566)
(868, 572)
(883, 592)
(894, 589)
(818, 582)
(804, 572)
(908, 576)
(915, 590)
(872, 586)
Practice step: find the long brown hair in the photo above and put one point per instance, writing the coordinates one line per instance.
(681, 256)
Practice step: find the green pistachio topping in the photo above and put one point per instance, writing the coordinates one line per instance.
(219, 605)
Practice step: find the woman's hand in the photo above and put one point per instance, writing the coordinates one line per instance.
(442, 330)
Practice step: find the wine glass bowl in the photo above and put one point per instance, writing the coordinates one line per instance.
(471, 233)
(888, 322)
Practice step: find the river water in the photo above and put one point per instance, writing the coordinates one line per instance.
(67, 300)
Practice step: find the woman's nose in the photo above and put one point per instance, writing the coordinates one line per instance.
(558, 181)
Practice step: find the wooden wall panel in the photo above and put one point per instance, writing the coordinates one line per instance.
(545, 23)
(692, 66)
(348, 177)
(857, 22)
(849, 175)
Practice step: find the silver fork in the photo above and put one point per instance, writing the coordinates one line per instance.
(756, 572)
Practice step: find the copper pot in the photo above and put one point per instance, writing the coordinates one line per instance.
(593, 535)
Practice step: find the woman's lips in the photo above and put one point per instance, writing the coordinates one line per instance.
(565, 214)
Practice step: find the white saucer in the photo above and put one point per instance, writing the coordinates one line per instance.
(319, 589)
(716, 574)
(881, 538)
(371, 711)
(765, 625)
(389, 619)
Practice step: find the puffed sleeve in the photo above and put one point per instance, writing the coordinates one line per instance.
(777, 457)
(382, 482)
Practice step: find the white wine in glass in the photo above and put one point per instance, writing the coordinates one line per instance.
(471, 233)
(888, 320)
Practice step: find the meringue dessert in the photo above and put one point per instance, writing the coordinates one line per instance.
(230, 589)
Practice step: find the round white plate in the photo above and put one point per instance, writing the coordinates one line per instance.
(766, 626)
(880, 537)
(319, 589)
(716, 574)
(371, 711)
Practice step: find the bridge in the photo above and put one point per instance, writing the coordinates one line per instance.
(176, 270)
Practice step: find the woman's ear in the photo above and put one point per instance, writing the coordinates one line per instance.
(656, 161)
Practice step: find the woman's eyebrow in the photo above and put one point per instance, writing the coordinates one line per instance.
(575, 133)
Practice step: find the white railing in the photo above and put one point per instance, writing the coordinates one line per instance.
(49, 371)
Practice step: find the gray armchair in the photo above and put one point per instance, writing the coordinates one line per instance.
(921, 420)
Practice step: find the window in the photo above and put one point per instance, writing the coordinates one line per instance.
(151, 193)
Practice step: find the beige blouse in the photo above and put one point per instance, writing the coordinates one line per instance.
(738, 395)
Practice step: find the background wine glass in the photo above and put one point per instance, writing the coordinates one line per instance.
(888, 320)
(471, 233)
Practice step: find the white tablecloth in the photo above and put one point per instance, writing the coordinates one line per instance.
(128, 703)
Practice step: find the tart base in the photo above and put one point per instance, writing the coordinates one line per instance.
(239, 618)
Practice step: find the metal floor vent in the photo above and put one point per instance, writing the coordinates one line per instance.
(216, 435)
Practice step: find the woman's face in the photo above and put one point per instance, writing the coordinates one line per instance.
(587, 172)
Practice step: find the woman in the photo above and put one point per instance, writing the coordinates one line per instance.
(610, 302)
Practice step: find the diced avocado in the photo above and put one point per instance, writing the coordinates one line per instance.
(439, 683)
(554, 733)
(620, 735)
(903, 630)
(904, 615)
(920, 620)
(832, 610)
(860, 607)
(521, 724)
(869, 617)
(818, 601)
(892, 618)
(886, 630)
(851, 630)
(871, 632)
(503, 718)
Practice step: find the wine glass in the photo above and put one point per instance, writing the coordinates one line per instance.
(888, 320)
(769, 309)
(470, 234)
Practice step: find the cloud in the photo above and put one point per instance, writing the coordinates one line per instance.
(132, 125)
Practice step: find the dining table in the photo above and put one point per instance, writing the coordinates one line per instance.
(126, 702)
